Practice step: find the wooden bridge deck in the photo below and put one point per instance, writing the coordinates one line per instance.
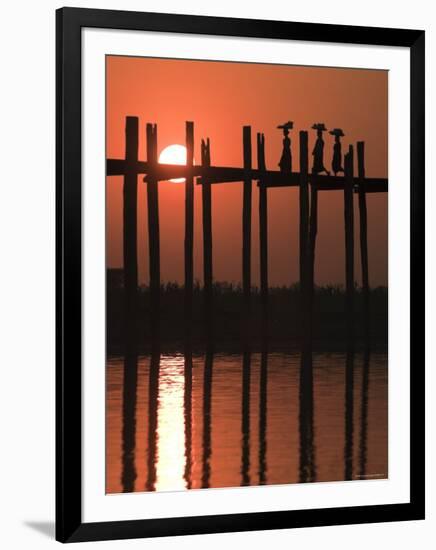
(225, 174)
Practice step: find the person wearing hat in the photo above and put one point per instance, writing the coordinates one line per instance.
(286, 158)
(337, 153)
(318, 150)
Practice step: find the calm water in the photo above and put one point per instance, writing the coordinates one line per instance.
(227, 420)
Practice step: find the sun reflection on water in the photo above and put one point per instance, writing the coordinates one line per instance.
(275, 438)
(170, 425)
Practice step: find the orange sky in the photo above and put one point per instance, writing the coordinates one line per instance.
(220, 98)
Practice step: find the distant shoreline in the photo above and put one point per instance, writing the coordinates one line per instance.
(329, 320)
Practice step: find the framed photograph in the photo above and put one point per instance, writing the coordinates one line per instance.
(240, 274)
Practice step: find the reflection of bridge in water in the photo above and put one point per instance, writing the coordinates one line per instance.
(216, 420)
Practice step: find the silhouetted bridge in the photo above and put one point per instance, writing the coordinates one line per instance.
(227, 174)
(206, 174)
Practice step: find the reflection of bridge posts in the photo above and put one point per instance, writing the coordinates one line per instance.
(263, 402)
(187, 406)
(349, 414)
(207, 415)
(245, 459)
(128, 474)
(364, 412)
(306, 414)
(153, 393)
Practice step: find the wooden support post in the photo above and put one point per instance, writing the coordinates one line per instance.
(189, 224)
(246, 221)
(246, 288)
(304, 225)
(313, 229)
(363, 238)
(349, 243)
(207, 229)
(263, 227)
(153, 230)
(130, 208)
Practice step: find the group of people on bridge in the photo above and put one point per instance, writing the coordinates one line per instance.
(318, 151)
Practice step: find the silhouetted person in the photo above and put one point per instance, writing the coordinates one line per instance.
(318, 150)
(286, 158)
(337, 152)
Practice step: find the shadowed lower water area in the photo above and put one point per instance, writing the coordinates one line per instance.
(189, 421)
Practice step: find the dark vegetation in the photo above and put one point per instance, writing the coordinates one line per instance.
(329, 320)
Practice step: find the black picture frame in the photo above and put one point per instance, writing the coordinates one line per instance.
(69, 525)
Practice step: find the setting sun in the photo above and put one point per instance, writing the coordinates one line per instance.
(174, 154)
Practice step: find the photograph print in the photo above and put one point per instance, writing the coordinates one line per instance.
(246, 274)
